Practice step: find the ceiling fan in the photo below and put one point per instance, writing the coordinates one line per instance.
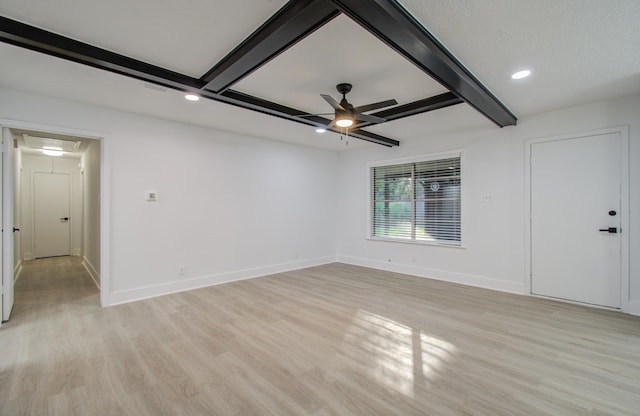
(345, 114)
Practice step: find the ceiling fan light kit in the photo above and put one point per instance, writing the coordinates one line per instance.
(344, 121)
(346, 115)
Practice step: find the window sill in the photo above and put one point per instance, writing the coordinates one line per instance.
(418, 243)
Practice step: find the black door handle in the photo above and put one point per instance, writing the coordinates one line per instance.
(610, 230)
(15, 229)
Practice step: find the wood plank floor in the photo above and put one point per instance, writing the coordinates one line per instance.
(329, 340)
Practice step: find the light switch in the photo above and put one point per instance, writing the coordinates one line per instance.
(151, 195)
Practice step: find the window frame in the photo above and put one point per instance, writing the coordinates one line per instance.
(406, 160)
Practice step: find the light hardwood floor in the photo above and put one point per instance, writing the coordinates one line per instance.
(329, 340)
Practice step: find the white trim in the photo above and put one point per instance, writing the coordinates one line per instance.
(437, 274)
(49, 128)
(419, 242)
(634, 307)
(92, 271)
(623, 131)
(419, 158)
(132, 295)
(105, 213)
(27, 256)
(105, 222)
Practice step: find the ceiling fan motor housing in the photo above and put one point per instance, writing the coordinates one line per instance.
(344, 88)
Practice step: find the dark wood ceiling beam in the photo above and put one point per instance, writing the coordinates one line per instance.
(292, 23)
(416, 107)
(39, 40)
(391, 23)
(373, 138)
(29, 37)
(385, 19)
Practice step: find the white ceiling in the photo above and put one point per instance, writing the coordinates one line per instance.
(579, 51)
(300, 74)
(184, 36)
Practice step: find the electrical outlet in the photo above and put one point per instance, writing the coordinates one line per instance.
(181, 270)
(487, 198)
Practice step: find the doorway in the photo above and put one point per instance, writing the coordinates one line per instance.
(578, 211)
(68, 180)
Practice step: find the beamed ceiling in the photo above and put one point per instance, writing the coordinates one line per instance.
(275, 58)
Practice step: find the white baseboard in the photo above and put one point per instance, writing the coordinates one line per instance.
(76, 252)
(95, 276)
(132, 295)
(634, 307)
(28, 256)
(447, 276)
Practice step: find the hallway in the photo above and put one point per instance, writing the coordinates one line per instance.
(51, 286)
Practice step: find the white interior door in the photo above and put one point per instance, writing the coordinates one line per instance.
(6, 212)
(575, 219)
(51, 203)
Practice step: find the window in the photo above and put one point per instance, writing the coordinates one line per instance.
(417, 201)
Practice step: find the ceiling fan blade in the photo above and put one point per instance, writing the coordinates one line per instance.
(375, 106)
(331, 124)
(333, 103)
(369, 118)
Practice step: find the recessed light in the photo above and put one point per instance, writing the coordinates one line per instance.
(52, 148)
(320, 130)
(52, 152)
(191, 97)
(521, 74)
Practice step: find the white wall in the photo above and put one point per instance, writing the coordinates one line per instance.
(493, 233)
(229, 206)
(32, 163)
(91, 208)
(232, 206)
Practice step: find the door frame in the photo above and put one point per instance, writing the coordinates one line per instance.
(623, 131)
(105, 200)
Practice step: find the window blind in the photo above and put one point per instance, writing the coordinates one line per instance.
(417, 201)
